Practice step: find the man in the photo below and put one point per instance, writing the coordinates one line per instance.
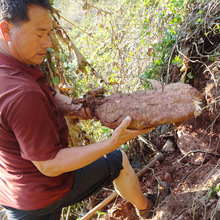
(39, 174)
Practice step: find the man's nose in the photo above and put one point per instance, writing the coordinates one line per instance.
(47, 43)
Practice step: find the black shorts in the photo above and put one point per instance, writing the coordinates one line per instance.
(87, 181)
(92, 178)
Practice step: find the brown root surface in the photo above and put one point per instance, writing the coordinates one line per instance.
(172, 103)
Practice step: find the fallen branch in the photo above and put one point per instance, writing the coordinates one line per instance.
(197, 151)
(158, 157)
(149, 144)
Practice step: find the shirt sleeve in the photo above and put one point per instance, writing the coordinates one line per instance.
(35, 126)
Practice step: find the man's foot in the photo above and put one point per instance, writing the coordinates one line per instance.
(145, 213)
(164, 192)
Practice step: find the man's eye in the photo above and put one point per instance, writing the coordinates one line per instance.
(39, 35)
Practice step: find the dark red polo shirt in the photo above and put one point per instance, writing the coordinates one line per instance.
(31, 129)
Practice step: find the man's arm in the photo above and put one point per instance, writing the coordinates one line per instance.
(65, 104)
(69, 159)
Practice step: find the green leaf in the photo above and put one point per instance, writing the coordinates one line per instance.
(190, 76)
(218, 187)
(218, 27)
(56, 80)
(146, 20)
(105, 129)
(124, 147)
(100, 213)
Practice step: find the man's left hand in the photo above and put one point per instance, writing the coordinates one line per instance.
(86, 114)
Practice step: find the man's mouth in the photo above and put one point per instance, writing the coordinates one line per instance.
(41, 54)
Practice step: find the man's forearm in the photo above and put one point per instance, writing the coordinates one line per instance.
(65, 104)
(69, 159)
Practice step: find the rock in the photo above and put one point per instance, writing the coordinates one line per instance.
(168, 147)
(197, 159)
(164, 190)
(188, 140)
(201, 194)
(168, 178)
(157, 163)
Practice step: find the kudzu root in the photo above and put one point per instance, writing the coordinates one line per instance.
(172, 103)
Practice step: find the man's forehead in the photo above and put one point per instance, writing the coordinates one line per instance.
(40, 20)
(38, 14)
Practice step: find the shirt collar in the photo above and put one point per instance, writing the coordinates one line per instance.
(33, 71)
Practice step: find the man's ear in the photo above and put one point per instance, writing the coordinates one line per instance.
(5, 29)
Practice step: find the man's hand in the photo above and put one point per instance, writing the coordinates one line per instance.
(65, 104)
(86, 114)
(122, 134)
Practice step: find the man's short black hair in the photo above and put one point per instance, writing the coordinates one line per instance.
(16, 11)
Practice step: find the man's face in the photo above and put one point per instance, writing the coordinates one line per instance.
(30, 40)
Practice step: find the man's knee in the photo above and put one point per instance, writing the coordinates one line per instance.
(125, 163)
(125, 160)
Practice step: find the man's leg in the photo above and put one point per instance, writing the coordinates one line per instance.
(127, 185)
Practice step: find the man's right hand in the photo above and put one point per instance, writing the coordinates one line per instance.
(122, 134)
